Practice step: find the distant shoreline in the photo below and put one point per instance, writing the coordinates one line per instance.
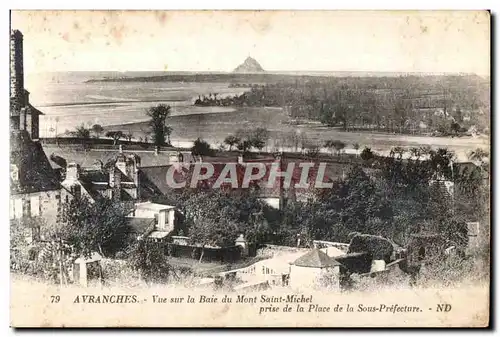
(263, 77)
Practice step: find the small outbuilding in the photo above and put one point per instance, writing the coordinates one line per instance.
(314, 270)
(88, 270)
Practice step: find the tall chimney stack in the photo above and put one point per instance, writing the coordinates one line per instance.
(16, 70)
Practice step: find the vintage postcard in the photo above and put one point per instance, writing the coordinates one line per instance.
(250, 168)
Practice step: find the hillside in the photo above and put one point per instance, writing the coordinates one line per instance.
(250, 65)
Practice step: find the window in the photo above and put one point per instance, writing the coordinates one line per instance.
(12, 210)
(18, 208)
(35, 206)
(27, 207)
(14, 172)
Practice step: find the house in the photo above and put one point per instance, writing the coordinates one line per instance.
(118, 179)
(315, 270)
(153, 179)
(157, 220)
(35, 189)
(34, 186)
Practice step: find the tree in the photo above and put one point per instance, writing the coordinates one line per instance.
(116, 135)
(256, 138)
(358, 199)
(231, 140)
(397, 150)
(217, 217)
(97, 129)
(479, 155)
(151, 262)
(441, 161)
(312, 152)
(367, 154)
(99, 226)
(211, 220)
(244, 146)
(82, 133)
(214, 232)
(129, 136)
(455, 128)
(339, 146)
(201, 148)
(158, 116)
(259, 137)
(336, 144)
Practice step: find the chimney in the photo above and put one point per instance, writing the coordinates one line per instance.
(121, 163)
(240, 159)
(22, 119)
(115, 182)
(98, 165)
(16, 69)
(120, 148)
(133, 162)
(72, 172)
(157, 150)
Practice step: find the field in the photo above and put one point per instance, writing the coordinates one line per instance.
(214, 127)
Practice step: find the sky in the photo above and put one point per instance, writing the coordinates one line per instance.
(396, 41)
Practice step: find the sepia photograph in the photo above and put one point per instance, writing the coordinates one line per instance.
(244, 168)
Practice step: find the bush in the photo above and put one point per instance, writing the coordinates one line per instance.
(452, 271)
(367, 154)
(150, 261)
(201, 148)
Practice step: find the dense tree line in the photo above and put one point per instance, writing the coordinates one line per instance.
(400, 197)
(448, 104)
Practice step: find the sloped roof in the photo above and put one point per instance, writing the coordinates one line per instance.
(140, 225)
(155, 177)
(33, 110)
(89, 158)
(35, 172)
(315, 259)
(100, 176)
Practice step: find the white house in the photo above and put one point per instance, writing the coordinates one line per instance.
(313, 269)
(164, 215)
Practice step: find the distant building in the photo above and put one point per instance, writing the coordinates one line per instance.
(152, 221)
(315, 270)
(117, 180)
(35, 189)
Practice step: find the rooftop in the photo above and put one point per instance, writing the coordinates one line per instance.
(315, 259)
(152, 206)
(35, 174)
